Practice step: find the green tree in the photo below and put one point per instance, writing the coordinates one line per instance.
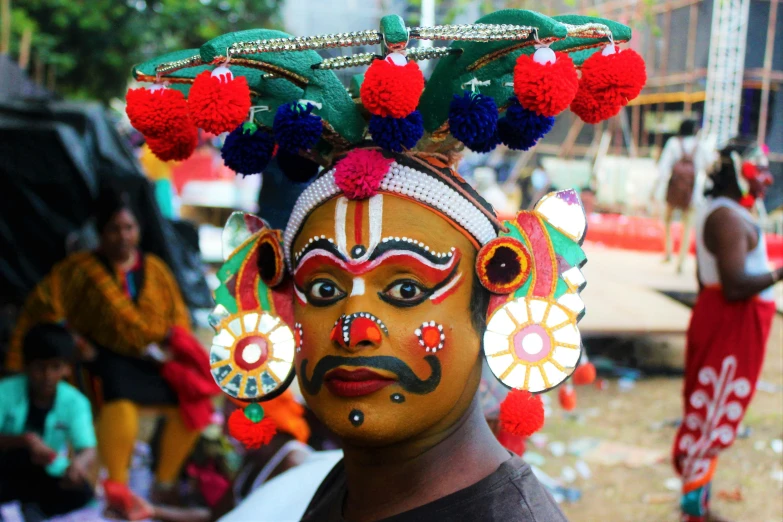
(94, 43)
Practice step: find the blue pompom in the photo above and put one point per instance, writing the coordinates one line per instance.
(397, 134)
(295, 167)
(473, 118)
(247, 149)
(487, 145)
(296, 128)
(520, 128)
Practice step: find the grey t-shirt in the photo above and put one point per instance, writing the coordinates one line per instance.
(510, 494)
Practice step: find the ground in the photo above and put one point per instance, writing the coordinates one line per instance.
(618, 493)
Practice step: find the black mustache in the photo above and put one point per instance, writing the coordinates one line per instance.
(407, 379)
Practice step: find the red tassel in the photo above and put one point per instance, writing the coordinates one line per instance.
(546, 89)
(616, 78)
(176, 146)
(155, 112)
(584, 374)
(747, 201)
(392, 90)
(219, 103)
(589, 109)
(567, 397)
(251, 434)
(521, 413)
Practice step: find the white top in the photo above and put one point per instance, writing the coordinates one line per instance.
(267, 469)
(285, 497)
(756, 262)
(672, 153)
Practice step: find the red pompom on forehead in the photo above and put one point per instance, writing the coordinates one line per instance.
(546, 89)
(616, 78)
(251, 434)
(360, 172)
(392, 90)
(155, 113)
(218, 103)
(178, 145)
(521, 413)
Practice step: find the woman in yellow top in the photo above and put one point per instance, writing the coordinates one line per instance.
(122, 304)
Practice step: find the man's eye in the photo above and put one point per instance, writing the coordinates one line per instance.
(324, 292)
(405, 293)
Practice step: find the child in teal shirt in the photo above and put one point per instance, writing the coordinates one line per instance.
(44, 420)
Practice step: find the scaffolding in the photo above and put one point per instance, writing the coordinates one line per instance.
(725, 69)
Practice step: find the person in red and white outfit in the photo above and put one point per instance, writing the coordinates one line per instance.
(731, 321)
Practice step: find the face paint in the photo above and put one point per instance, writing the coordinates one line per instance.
(360, 327)
(431, 336)
(753, 176)
(298, 337)
(329, 369)
(415, 268)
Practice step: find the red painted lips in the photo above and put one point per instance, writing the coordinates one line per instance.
(355, 383)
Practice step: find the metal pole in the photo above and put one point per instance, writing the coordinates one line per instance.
(427, 18)
(764, 110)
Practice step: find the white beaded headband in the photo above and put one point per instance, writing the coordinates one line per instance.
(403, 180)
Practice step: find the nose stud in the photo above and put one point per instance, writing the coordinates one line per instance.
(351, 330)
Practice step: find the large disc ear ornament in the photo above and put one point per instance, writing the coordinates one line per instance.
(252, 355)
(503, 265)
(532, 344)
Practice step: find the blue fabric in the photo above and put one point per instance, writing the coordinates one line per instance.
(164, 195)
(695, 503)
(68, 424)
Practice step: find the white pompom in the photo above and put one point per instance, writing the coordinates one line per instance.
(544, 55)
(609, 49)
(223, 72)
(397, 59)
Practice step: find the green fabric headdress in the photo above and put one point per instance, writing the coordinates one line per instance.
(502, 79)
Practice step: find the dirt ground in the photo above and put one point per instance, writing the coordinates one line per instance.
(618, 493)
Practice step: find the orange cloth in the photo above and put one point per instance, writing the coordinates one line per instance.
(286, 413)
(80, 291)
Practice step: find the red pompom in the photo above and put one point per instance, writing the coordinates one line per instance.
(392, 90)
(251, 434)
(521, 413)
(177, 145)
(546, 89)
(589, 109)
(748, 201)
(360, 172)
(614, 79)
(584, 374)
(155, 113)
(567, 397)
(218, 104)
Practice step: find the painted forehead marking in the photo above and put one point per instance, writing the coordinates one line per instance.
(376, 246)
(328, 255)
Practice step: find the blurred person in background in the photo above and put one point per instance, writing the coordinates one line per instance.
(681, 169)
(731, 321)
(540, 184)
(126, 309)
(486, 184)
(42, 419)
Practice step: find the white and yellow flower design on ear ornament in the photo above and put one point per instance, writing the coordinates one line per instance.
(532, 342)
(252, 354)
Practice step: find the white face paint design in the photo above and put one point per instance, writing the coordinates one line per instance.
(358, 286)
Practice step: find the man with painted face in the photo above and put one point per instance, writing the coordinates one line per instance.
(389, 368)
(731, 321)
(393, 276)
